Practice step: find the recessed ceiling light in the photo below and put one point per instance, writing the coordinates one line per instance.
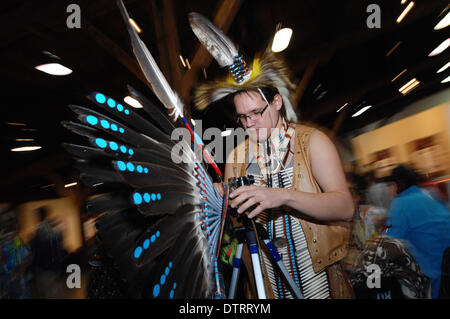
(443, 68)
(24, 139)
(53, 69)
(70, 184)
(281, 39)
(405, 12)
(447, 79)
(342, 107)
(440, 48)
(361, 111)
(26, 148)
(134, 25)
(133, 102)
(445, 22)
(226, 133)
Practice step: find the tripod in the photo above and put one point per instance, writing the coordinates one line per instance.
(247, 234)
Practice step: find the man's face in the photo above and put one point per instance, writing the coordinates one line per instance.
(257, 124)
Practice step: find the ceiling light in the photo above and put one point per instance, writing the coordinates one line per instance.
(26, 148)
(281, 39)
(361, 111)
(405, 12)
(403, 1)
(398, 75)
(182, 60)
(133, 102)
(443, 68)
(440, 48)
(226, 133)
(410, 87)
(445, 22)
(395, 47)
(135, 26)
(71, 184)
(447, 79)
(188, 64)
(342, 107)
(407, 84)
(53, 69)
(24, 139)
(16, 124)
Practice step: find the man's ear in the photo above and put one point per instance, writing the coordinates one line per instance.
(277, 101)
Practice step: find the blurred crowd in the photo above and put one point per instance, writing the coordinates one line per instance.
(402, 225)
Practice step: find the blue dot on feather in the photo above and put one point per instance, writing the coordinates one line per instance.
(170, 264)
(123, 149)
(113, 146)
(114, 127)
(100, 142)
(158, 233)
(147, 197)
(121, 166)
(100, 98)
(91, 119)
(111, 103)
(158, 196)
(139, 169)
(162, 280)
(121, 130)
(174, 285)
(127, 112)
(171, 294)
(156, 290)
(130, 166)
(146, 244)
(104, 124)
(146, 170)
(167, 271)
(130, 151)
(153, 238)
(137, 198)
(138, 252)
(120, 107)
(153, 196)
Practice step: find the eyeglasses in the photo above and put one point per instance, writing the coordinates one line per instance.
(254, 116)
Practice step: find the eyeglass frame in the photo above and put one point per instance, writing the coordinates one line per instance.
(240, 117)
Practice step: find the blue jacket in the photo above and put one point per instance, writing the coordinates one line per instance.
(425, 224)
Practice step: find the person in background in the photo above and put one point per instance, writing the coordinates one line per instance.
(48, 258)
(421, 221)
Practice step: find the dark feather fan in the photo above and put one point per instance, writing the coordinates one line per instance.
(161, 224)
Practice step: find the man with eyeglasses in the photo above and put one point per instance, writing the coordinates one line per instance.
(300, 195)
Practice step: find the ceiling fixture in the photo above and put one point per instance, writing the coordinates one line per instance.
(24, 139)
(395, 47)
(226, 133)
(135, 26)
(447, 79)
(443, 68)
(54, 69)
(405, 12)
(342, 107)
(398, 75)
(361, 111)
(16, 124)
(408, 87)
(182, 60)
(440, 48)
(26, 148)
(281, 39)
(445, 22)
(133, 102)
(403, 1)
(70, 184)
(188, 64)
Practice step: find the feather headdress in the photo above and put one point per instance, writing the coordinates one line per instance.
(266, 70)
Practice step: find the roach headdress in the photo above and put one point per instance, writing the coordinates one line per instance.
(266, 69)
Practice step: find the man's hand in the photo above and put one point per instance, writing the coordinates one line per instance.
(262, 197)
